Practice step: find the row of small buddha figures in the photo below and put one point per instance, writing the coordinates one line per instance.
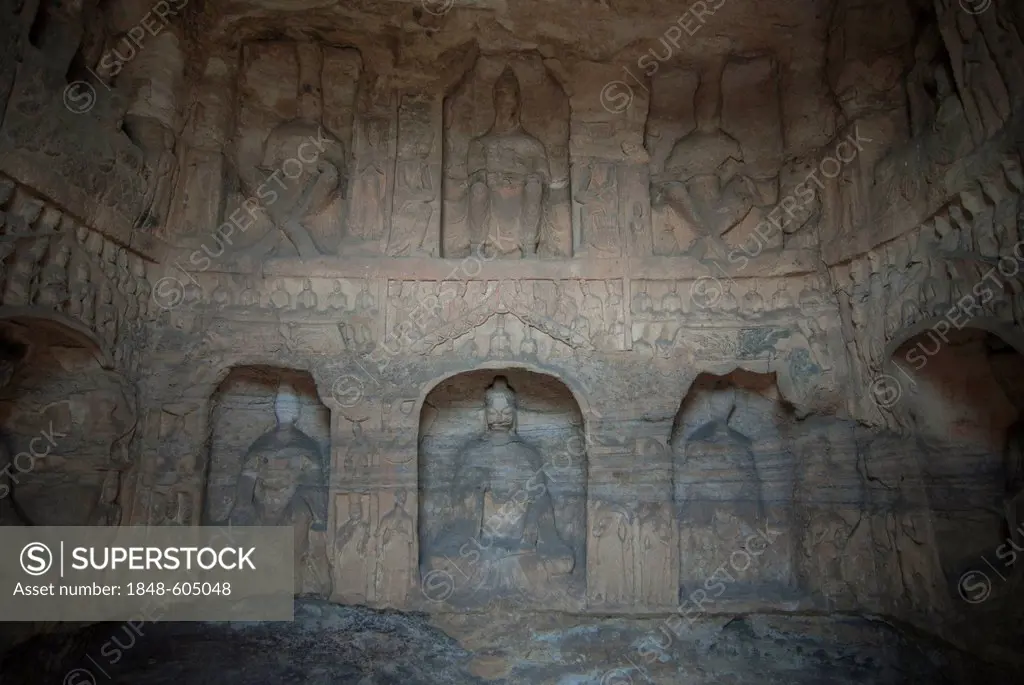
(714, 295)
(79, 273)
(281, 299)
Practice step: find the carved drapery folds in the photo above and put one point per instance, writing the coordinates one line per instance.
(415, 228)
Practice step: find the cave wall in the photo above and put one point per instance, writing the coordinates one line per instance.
(712, 254)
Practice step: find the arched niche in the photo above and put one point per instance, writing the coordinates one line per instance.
(269, 464)
(961, 394)
(503, 485)
(738, 450)
(67, 420)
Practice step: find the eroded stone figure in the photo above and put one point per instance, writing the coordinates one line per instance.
(718, 494)
(363, 317)
(351, 548)
(702, 179)
(157, 143)
(501, 515)
(282, 484)
(508, 173)
(370, 186)
(410, 231)
(396, 534)
(501, 342)
(294, 200)
(655, 567)
(613, 557)
(598, 208)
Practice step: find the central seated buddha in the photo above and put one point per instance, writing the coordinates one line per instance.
(499, 537)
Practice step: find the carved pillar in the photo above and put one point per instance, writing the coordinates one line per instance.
(170, 484)
(373, 496)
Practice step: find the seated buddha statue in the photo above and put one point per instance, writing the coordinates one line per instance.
(500, 529)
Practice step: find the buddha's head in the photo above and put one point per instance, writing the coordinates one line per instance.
(500, 406)
(507, 102)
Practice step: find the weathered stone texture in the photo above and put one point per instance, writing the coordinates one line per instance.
(616, 311)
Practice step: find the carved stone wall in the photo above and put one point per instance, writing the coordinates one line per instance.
(390, 262)
(507, 162)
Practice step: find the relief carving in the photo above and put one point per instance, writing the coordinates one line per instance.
(499, 526)
(415, 228)
(510, 185)
(704, 178)
(396, 561)
(598, 218)
(718, 489)
(352, 549)
(281, 480)
(301, 205)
